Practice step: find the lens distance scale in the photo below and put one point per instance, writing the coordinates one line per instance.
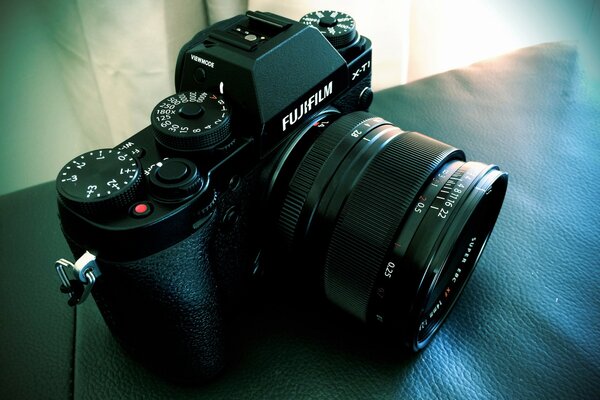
(191, 121)
(99, 181)
(337, 27)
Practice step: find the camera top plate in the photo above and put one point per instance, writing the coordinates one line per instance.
(268, 67)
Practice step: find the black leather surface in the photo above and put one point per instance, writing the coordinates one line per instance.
(527, 325)
(37, 331)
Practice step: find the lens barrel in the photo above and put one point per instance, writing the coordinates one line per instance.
(395, 220)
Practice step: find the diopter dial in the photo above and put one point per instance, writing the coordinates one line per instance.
(99, 181)
(192, 121)
(337, 27)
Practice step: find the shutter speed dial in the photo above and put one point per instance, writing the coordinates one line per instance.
(99, 181)
(337, 27)
(192, 121)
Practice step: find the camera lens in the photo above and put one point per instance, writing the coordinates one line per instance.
(395, 220)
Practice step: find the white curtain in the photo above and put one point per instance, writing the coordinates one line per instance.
(83, 74)
(118, 57)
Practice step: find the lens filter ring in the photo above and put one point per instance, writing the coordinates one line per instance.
(455, 255)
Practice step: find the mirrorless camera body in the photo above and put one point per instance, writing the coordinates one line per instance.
(265, 142)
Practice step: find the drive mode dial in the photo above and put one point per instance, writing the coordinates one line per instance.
(192, 121)
(99, 181)
(337, 27)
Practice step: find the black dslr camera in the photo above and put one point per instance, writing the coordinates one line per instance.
(263, 156)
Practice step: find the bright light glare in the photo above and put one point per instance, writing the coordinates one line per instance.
(451, 34)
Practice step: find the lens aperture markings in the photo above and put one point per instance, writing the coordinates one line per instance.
(424, 202)
(451, 193)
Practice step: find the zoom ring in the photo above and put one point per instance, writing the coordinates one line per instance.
(374, 210)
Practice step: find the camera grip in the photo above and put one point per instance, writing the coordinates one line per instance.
(164, 308)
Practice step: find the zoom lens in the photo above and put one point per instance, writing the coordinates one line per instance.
(395, 220)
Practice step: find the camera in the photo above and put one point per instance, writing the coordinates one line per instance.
(266, 161)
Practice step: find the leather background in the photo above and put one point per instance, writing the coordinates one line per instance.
(527, 325)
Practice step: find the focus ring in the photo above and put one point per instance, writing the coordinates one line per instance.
(307, 171)
(372, 214)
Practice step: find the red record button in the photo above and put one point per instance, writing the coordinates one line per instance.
(141, 209)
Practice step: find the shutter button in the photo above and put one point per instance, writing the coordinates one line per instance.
(172, 171)
(175, 180)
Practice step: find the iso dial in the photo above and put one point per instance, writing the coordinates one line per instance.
(99, 181)
(337, 27)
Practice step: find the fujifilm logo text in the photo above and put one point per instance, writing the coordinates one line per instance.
(202, 61)
(304, 108)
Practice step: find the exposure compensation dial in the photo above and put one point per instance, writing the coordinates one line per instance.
(99, 181)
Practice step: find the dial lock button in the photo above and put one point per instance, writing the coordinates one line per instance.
(328, 21)
(191, 110)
